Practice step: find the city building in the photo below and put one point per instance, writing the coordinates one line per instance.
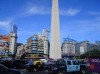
(72, 47)
(13, 42)
(25, 48)
(8, 43)
(77, 49)
(97, 45)
(32, 44)
(13, 39)
(46, 44)
(84, 46)
(68, 47)
(20, 48)
(38, 44)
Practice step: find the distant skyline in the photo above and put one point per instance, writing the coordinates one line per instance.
(80, 19)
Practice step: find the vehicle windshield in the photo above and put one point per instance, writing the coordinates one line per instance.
(3, 67)
(68, 62)
(30, 62)
(82, 62)
(75, 63)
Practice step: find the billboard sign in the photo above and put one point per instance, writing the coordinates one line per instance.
(94, 64)
(4, 42)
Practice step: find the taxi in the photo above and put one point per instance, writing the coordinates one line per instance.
(34, 65)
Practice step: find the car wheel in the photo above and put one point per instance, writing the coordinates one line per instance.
(35, 69)
(83, 71)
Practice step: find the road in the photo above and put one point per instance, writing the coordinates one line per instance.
(41, 72)
(26, 72)
(35, 73)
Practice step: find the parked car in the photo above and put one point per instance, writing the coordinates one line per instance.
(19, 64)
(62, 66)
(6, 70)
(67, 65)
(50, 67)
(7, 63)
(36, 65)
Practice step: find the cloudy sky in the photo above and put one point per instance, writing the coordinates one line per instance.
(80, 19)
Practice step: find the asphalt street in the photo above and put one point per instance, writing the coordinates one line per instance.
(26, 72)
(41, 72)
(35, 73)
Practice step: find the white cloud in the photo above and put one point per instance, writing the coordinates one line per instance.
(5, 25)
(69, 12)
(37, 10)
(45, 10)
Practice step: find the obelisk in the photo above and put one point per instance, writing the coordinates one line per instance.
(55, 49)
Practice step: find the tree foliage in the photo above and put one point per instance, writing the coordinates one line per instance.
(92, 53)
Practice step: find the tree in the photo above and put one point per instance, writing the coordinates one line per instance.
(93, 53)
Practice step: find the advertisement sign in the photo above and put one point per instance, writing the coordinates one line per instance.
(94, 64)
(4, 42)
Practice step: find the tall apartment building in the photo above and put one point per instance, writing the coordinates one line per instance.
(45, 41)
(13, 39)
(38, 44)
(13, 42)
(68, 47)
(32, 44)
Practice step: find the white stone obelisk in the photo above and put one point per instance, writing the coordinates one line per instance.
(55, 49)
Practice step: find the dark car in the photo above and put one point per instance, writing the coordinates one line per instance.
(36, 65)
(6, 70)
(7, 63)
(51, 67)
(83, 66)
(19, 64)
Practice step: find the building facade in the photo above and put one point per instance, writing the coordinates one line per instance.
(20, 49)
(13, 42)
(68, 47)
(32, 44)
(38, 44)
(8, 44)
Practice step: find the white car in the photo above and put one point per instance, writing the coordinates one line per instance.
(68, 65)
